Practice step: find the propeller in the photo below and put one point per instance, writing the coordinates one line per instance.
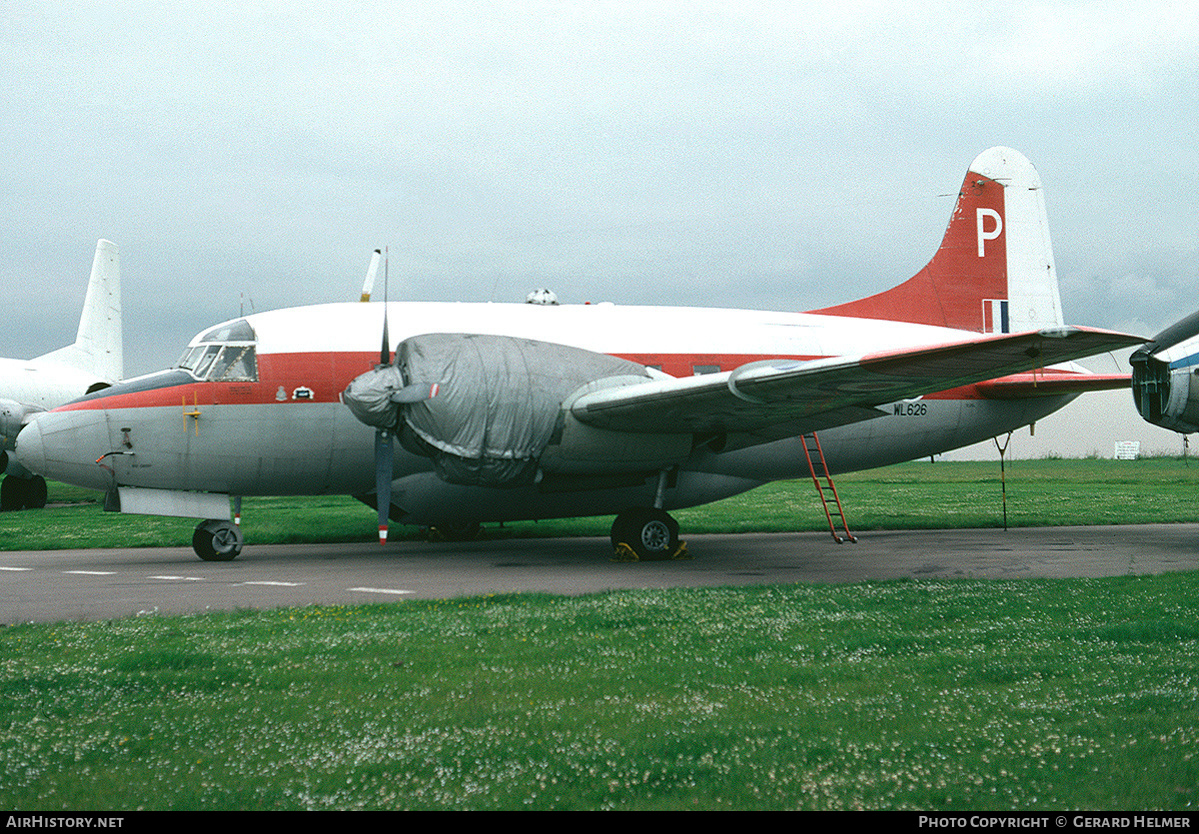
(1160, 385)
(1144, 357)
(384, 461)
(384, 450)
(1178, 332)
(369, 284)
(375, 398)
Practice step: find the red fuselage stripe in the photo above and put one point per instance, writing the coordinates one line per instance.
(321, 377)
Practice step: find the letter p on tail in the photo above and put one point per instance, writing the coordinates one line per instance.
(980, 215)
(994, 269)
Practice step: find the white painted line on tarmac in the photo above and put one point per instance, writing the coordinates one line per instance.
(381, 591)
(184, 578)
(92, 572)
(281, 584)
(4, 568)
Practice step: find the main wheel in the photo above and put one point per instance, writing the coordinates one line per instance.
(217, 540)
(12, 494)
(22, 493)
(35, 497)
(649, 532)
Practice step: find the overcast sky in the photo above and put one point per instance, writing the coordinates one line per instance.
(774, 155)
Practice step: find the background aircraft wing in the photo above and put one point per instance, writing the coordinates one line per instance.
(807, 396)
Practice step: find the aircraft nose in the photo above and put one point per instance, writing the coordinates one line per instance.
(29, 451)
(64, 446)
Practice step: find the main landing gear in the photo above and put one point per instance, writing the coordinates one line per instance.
(217, 540)
(644, 534)
(22, 493)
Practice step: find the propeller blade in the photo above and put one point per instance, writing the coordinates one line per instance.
(1179, 331)
(384, 450)
(385, 349)
(416, 393)
(383, 472)
(369, 285)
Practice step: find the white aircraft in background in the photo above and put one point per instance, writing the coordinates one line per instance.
(30, 387)
(530, 411)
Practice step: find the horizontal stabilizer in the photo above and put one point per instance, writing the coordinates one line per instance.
(1050, 383)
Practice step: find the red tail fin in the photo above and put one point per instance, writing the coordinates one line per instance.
(994, 271)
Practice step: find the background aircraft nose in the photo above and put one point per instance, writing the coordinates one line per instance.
(64, 446)
(30, 452)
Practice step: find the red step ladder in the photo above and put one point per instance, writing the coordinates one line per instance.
(825, 488)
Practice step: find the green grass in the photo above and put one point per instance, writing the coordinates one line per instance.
(951, 695)
(918, 495)
(937, 695)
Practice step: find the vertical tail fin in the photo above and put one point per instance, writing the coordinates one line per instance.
(994, 271)
(99, 342)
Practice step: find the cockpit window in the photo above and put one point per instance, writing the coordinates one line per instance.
(191, 355)
(225, 353)
(236, 363)
(210, 352)
(234, 331)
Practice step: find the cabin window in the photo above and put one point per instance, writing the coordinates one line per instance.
(699, 370)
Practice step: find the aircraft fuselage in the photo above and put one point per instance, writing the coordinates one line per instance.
(279, 428)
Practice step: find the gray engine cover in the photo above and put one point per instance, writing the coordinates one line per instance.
(498, 401)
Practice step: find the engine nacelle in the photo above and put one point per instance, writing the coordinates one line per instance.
(577, 448)
(499, 411)
(13, 417)
(1166, 393)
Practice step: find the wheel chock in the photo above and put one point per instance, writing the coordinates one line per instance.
(623, 553)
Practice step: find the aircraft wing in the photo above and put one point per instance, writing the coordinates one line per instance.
(817, 394)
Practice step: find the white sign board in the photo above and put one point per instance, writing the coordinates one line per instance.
(1128, 449)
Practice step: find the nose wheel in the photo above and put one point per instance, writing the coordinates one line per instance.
(217, 540)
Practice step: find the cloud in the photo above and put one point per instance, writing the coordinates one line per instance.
(755, 154)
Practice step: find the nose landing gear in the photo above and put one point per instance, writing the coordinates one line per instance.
(217, 540)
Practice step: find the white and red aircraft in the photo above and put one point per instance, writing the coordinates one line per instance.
(528, 411)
